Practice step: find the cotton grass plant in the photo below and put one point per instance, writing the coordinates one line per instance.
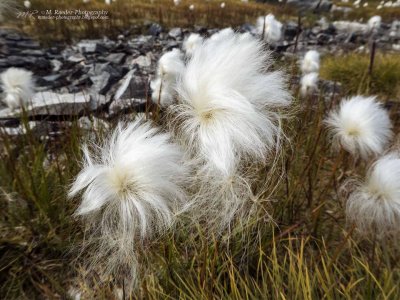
(18, 87)
(361, 126)
(191, 43)
(311, 62)
(309, 83)
(374, 205)
(131, 189)
(270, 29)
(226, 118)
(170, 66)
(223, 109)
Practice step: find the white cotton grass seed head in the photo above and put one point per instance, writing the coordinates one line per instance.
(18, 87)
(131, 187)
(222, 34)
(27, 4)
(138, 171)
(309, 83)
(272, 28)
(171, 64)
(361, 126)
(192, 43)
(374, 23)
(162, 93)
(170, 67)
(311, 62)
(374, 205)
(226, 103)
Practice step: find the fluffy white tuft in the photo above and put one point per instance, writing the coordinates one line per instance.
(272, 28)
(131, 188)
(222, 34)
(374, 22)
(27, 4)
(170, 66)
(311, 62)
(192, 43)
(18, 87)
(309, 83)
(375, 204)
(361, 126)
(226, 102)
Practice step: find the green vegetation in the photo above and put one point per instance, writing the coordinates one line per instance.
(352, 71)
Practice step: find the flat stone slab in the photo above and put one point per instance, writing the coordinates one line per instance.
(53, 104)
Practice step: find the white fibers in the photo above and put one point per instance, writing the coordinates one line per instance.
(18, 87)
(361, 126)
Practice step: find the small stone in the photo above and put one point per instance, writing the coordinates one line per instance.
(116, 58)
(155, 29)
(143, 61)
(76, 58)
(56, 64)
(90, 46)
(101, 83)
(175, 32)
(131, 86)
(126, 105)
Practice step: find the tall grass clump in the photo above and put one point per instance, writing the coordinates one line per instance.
(352, 71)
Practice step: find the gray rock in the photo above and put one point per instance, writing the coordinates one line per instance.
(53, 104)
(56, 64)
(175, 32)
(116, 58)
(27, 62)
(101, 83)
(155, 29)
(33, 52)
(290, 31)
(104, 76)
(126, 106)
(98, 101)
(143, 61)
(91, 46)
(76, 58)
(131, 86)
(30, 44)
